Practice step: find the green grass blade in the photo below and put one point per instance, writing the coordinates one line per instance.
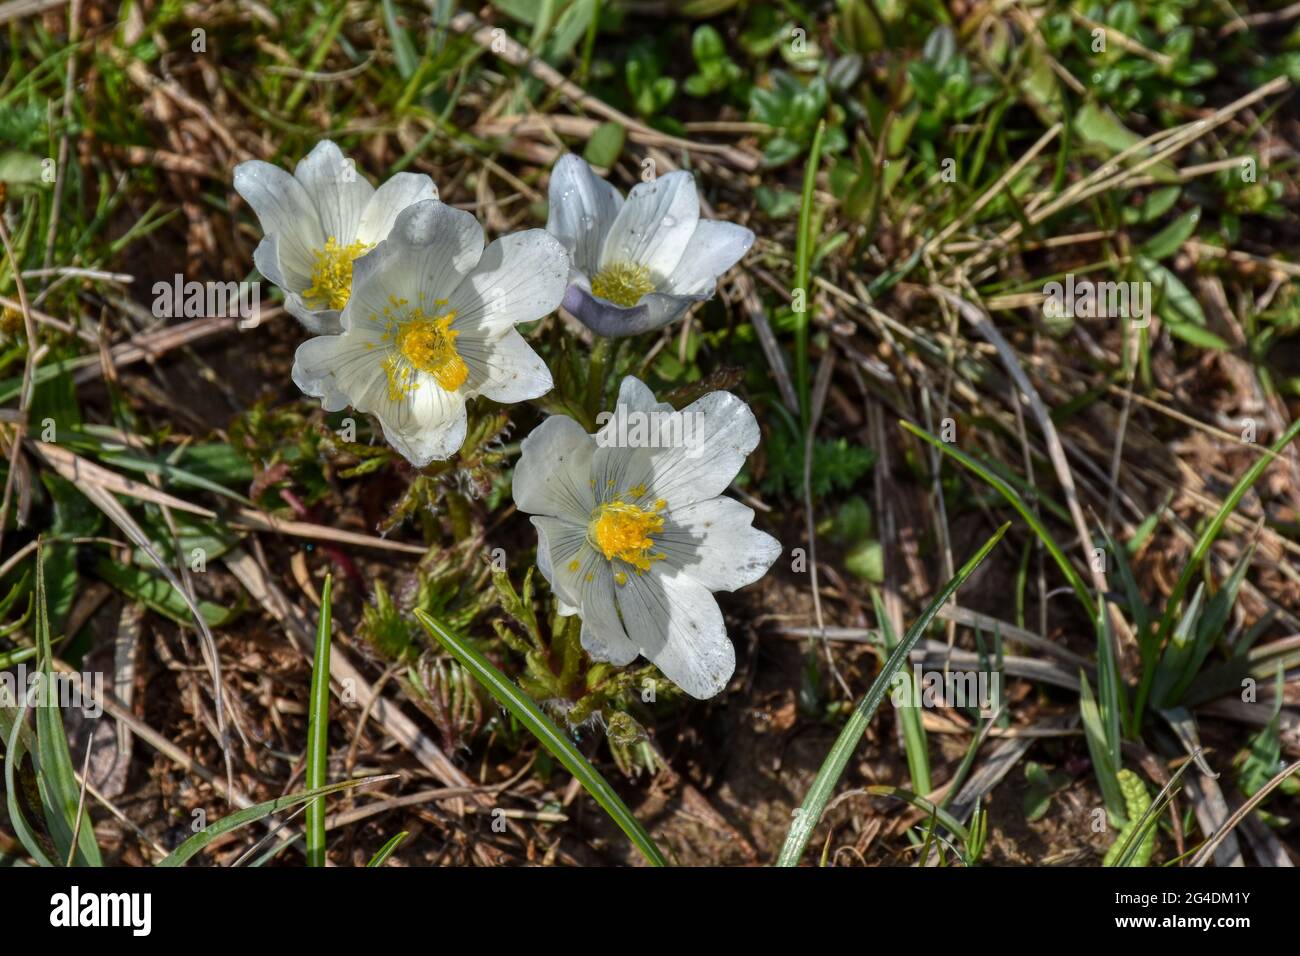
(318, 730)
(242, 818)
(909, 714)
(385, 851)
(1018, 503)
(937, 813)
(55, 774)
(15, 749)
(528, 713)
(1193, 565)
(1103, 763)
(814, 804)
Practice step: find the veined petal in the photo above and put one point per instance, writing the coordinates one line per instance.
(335, 367)
(504, 368)
(402, 190)
(424, 425)
(267, 259)
(676, 623)
(429, 251)
(583, 580)
(315, 321)
(337, 190)
(704, 452)
(654, 225)
(603, 635)
(663, 308)
(618, 465)
(286, 212)
(715, 543)
(604, 317)
(714, 248)
(582, 208)
(558, 543)
(520, 278)
(553, 475)
(679, 457)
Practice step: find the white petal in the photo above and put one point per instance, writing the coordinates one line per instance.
(714, 542)
(315, 321)
(426, 425)
(616, 465)
(681, 457)
(285, 211)
(714, 248)
(337, 190)
(402, 190)
(602, 635)
(717, 433)
(676, 623)
(582, 208)
(633, 396)
(504, 368)
(267, 259)
(334, 367)
(654, 225)
(431, 249)
(553, 475)
(558, 543)
(520, 278)
(581, 577)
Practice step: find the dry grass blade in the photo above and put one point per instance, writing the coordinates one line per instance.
(1211, 845)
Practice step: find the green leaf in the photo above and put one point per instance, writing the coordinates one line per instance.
(158, 594)
(1171, 238)
(385, 851)
(1195, 335)
(810, 813)
(605, 145)
(1103, 765)
(528, 714)
(1099, 127)
(1174, 301)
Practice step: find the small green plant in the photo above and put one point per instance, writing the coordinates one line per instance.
(715, 71)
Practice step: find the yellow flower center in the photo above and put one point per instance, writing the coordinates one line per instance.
(622, 283)
(623, 530)
(421, 343)
(331, 276)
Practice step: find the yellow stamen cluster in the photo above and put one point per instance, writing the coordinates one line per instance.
(421, 343)
(623, 283)
(622, 530)
(331, 276)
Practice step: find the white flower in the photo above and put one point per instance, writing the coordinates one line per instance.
(431, 323)
(317, 223)
(639, 264)
(635, 535)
